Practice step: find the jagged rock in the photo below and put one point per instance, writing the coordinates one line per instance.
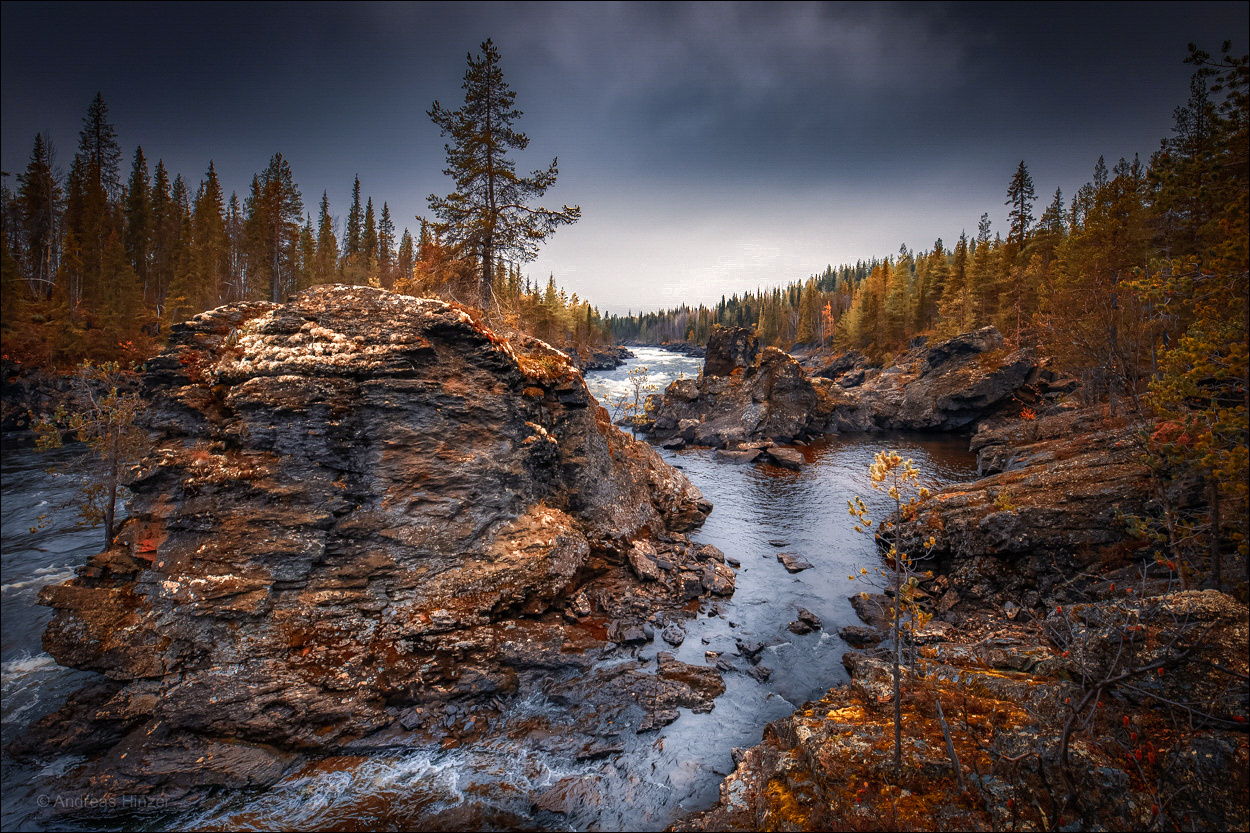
(642, 559)
(860, 637)
(730, 349)
(806, 623)
(354, 503)
(749, 649)
(793, 563)
(608, 358)
(744, 395)
(786, 458)
(944, 387)
(1058, 507)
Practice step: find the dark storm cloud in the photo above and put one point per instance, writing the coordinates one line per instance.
(712, 147)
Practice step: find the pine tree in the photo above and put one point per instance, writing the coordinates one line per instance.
(488, 215)
(982, 280)
(1020, 197)
(386, 248)
(97, 145)
(236, 258)
(39, 204)
(139, 220)
(274, 209)
(327, 256)
(165, 230)
(406, 259)
(369, 246)
(211, 248)
(355, 223)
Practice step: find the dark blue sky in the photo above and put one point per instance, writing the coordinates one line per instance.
(713, 148)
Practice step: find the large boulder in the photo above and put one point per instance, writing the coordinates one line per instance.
(730, 350)
(355, 505)
(744, 396)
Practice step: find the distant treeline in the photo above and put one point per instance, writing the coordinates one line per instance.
(94, 265)
(1094, 281)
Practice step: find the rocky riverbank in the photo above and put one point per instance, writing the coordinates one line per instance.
(366, 520)
(748, 397)
(1014, 725)
(1065, 681)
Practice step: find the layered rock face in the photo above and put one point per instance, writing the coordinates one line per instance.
(1020, 534)
(743, 396)
(943, 387)
(359, 506)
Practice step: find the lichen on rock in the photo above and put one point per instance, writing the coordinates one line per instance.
(354, 503)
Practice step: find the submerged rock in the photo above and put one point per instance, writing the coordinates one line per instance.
(357, 504)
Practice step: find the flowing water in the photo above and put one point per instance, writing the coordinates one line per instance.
(759, 511)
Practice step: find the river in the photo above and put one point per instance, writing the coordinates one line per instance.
(759, 511)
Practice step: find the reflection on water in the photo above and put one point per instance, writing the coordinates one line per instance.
(506, 783)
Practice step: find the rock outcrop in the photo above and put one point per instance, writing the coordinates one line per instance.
(744, 397)
(363, 514)
(1154, 748)
(747, 397)
(948, 386)
(604, 358)
(1058, 509)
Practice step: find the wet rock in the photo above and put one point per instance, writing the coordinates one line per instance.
(733, 562)
(793, 563)
(630, 633)
(673, 635)
(654, 720)
(759, 673)
(749, 455)
(718, 579)
(786, 458)
(807, 622)
(860, 637)
(750, 649)
(569, 795)
(595, 751)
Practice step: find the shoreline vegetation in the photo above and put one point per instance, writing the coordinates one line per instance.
(1081, 657)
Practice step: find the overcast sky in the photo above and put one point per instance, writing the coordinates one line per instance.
(712, 148)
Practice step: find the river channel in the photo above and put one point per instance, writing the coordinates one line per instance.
(759, 511)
